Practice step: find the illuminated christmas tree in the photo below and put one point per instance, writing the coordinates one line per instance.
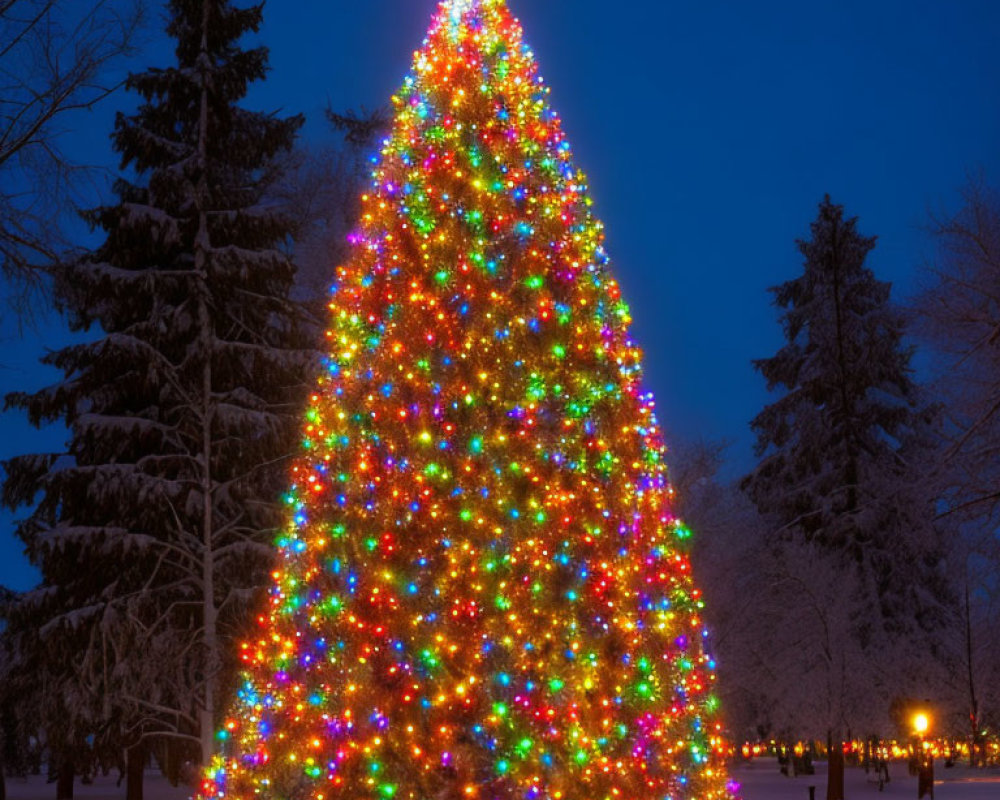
(481, 592)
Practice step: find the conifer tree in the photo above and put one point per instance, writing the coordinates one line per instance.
(846, 447)
(481, 589)
(152, 530)
(843, 447)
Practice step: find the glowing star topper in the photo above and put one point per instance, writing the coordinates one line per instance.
(481, 591)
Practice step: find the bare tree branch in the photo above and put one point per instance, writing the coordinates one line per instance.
(55, 60)
(959, 314)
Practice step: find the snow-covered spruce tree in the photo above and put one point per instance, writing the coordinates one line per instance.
(846, 446)
(152, 531)
(41, 693)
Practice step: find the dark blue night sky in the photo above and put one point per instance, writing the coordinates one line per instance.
(710, 130)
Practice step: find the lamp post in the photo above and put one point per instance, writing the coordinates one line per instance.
(925, 757)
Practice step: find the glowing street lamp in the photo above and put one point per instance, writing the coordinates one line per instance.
(925, 769)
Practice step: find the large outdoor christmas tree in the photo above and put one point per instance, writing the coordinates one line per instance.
(482, 592)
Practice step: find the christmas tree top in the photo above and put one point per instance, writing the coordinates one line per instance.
(482, 592)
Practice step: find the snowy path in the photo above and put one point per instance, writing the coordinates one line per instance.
(760, 781)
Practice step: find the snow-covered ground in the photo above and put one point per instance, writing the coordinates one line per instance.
(35, 787)
(760, 780)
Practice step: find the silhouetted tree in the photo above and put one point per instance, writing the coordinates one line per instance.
(958, 313)
(845, 448)
(153, 529)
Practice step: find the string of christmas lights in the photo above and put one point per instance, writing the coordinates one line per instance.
(481, 591)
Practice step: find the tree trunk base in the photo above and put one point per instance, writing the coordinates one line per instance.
(135, 766)
(64, 782)
(835, 777)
